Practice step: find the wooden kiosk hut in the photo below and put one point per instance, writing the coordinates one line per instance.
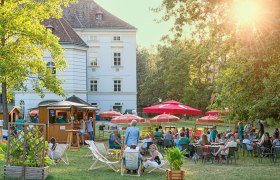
(64, 115)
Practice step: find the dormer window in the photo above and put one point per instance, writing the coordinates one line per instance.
(50, 27)
(99, 16)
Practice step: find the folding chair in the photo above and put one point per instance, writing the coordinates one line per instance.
(100, 158)
(245, 148)
(160, 166)
(132, 162)
(103, 150)
(59, 153)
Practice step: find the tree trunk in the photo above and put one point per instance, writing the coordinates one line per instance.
(5, 105)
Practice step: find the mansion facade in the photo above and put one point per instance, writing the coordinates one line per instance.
(100, 50)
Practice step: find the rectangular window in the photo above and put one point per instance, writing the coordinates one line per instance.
(117, 38)
(117, 59)
(93, 85)
(93, 62)
(117, 85)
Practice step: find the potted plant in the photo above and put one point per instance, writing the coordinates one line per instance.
(25, 154)
(176, 158)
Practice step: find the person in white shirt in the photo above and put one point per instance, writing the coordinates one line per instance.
(223, 150)
(145, 142)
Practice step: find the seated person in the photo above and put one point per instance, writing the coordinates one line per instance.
(116, 139)
(132, 148)
(249, 145)
(174, 132)
(154, 160)
(222, 140)
(275, 140)
(145, 142)
(157, 134)
(168, 136)
(203, 140)
(223, 150)
(183, 140)
(265, 143)
(52, 145)
(251, 135)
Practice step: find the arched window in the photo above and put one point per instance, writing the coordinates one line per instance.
(51, 64)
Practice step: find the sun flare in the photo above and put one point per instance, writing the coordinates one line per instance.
(247, 11)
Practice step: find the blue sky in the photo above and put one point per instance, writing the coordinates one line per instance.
(137, 13)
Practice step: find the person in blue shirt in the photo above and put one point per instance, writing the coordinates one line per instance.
(90, 129)
(213, 134)
(19, 124)
(132, 134)
(36, 118)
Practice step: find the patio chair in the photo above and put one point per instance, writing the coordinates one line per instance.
(276, 153)
(231, 155)
(202, 152)
(59, 154)
(103, 150)
(245, 148)
(167, 143)
(100, 158)
(131, 163)
(265, 152)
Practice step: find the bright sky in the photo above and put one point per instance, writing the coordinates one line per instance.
(137, 13)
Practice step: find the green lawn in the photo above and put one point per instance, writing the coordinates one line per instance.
(246, 167)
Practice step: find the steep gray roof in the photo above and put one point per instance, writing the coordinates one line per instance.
(62, 29)
(83, 15)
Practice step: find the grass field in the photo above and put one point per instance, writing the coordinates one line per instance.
(245, 168)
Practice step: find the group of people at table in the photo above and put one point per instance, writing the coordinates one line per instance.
(245, 135)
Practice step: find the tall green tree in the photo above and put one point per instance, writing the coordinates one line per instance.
(23, 43)
(244, 50)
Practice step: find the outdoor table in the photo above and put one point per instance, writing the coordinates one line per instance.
(255, 140)
(71, 133)
(169, 128)
(213, 144)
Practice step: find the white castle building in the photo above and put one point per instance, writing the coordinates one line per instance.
(100, 50)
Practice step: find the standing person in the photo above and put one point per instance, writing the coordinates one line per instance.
(82, 131)
(19, 124)
(132, 134)
(187, 133)
(213, 134)
(247, 128)
(36, 118)
(261, 129)
(240, 130)
(90, 129)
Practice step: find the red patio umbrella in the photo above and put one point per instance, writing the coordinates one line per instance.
(109, 114)
(215, 113)
(208, 120)
(34, 112)
(126, 119)
(172, 107)
(164, 118)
